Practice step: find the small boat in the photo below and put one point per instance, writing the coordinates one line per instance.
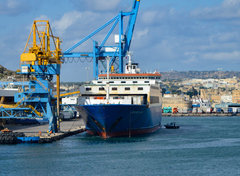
(172, 125)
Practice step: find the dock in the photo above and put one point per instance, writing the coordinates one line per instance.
(197, 114)
(38, 133)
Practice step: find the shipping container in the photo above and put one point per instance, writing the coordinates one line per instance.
(167, 110)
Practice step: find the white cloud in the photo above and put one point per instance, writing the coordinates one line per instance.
(67, 20)
(222, 56)
(142, 33)
(12, 3)
(151, 17)
(225, 37)
(230, 3)
(98, 5)
(104, 4)
(190, 57)
(13, 7)
(229, 9)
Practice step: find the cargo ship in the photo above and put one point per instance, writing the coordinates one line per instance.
(127, 104)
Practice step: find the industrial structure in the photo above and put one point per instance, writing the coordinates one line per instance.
(42, 59)
(117, 51)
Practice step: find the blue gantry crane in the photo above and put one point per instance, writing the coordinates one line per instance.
(117, 51)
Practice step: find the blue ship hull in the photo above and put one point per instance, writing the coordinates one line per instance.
(121, 120)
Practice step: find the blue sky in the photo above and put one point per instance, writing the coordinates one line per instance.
(177, 35)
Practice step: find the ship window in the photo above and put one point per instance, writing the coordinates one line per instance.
(127, 88)
(99, 82)
(114, 88)
(123, 81)
(88, 89)
(135, 82)
(146, 81)
(140, 88)
(111, 81)
(101, 88)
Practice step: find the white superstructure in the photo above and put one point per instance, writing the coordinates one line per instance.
(131, 87)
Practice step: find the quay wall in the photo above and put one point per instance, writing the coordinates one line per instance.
(198, 114)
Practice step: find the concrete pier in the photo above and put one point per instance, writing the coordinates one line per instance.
(67, 128)
(197, 115)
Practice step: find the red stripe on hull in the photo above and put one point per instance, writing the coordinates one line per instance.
(106, 135)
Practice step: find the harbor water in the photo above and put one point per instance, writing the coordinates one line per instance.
(202, 146)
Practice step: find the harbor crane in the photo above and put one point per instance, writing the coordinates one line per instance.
(40, 61)
(116, 52)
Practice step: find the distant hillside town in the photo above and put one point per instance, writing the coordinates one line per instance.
(179, 75)
(202, 95)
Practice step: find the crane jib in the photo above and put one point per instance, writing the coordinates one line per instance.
(116, 51)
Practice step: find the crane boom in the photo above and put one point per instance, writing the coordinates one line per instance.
(131, 25)
(116, 51)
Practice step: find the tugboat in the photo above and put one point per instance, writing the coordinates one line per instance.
(172, 125)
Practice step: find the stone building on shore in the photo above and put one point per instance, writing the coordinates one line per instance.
(182, 103)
